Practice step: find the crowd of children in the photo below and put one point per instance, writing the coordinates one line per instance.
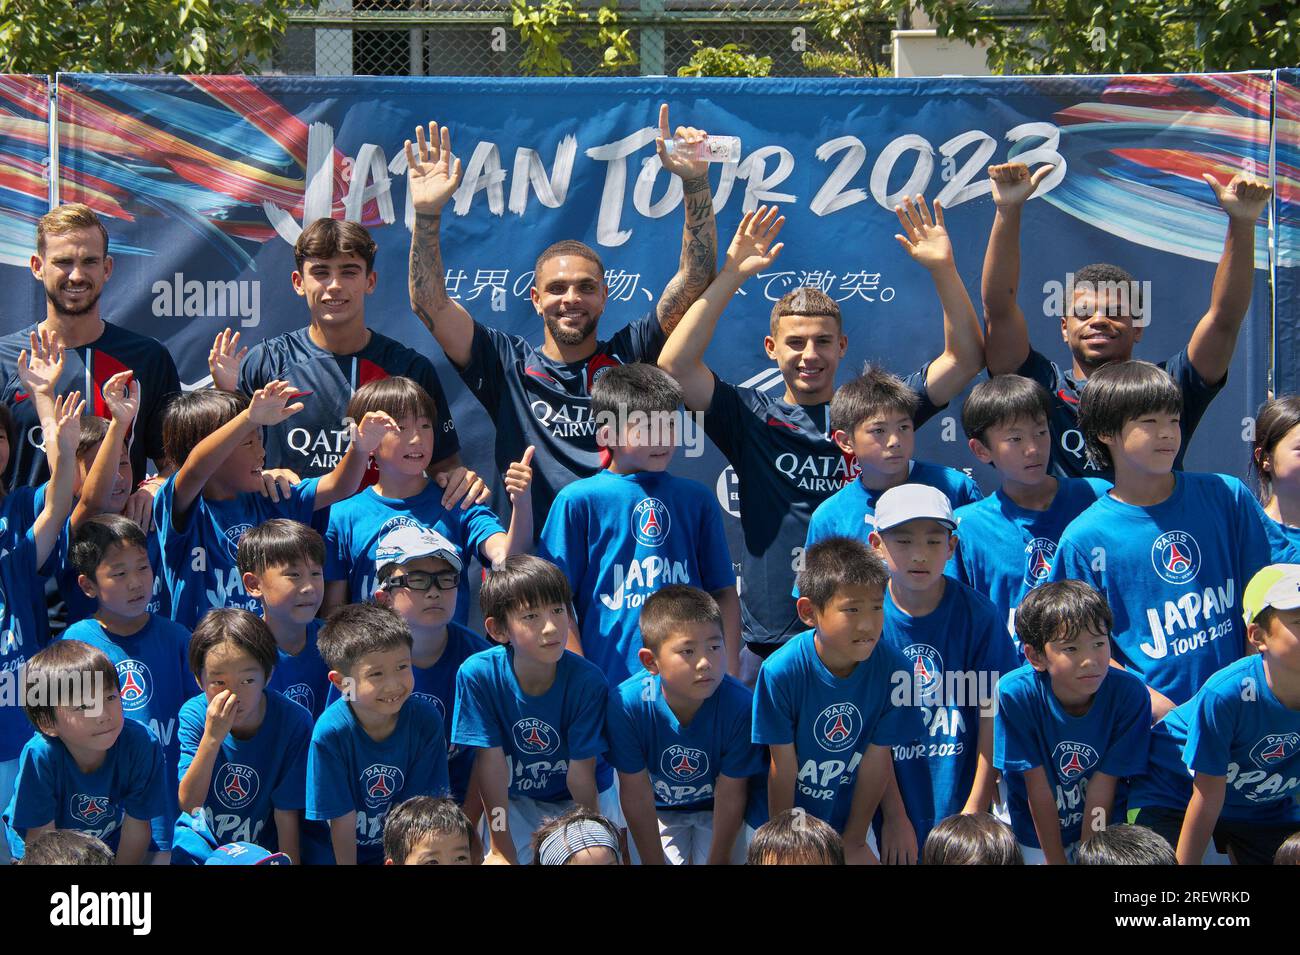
(272, 667)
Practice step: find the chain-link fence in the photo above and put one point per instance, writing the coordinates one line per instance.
(476, 38)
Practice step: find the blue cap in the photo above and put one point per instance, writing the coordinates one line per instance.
(245, 853)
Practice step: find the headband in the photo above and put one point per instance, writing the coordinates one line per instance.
(564, 843)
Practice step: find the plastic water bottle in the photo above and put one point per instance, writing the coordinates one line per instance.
(708, 149)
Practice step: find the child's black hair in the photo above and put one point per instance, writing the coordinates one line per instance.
(1059, 611)
(795, 837)
(416, 819)
(670, 608)
(100, 534)
(1123, 844)
(1003, 400)
(66, 847)
(354, 630)
(522, 581)
(624, 390)
(248, 633)
(1121, 392)
(279, 543)
(57, 676)
(193, 415)
(1274, 421)
(972, 839)
(838, 562)
(874, 392)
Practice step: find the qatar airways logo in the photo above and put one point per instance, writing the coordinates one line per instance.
(823, 473)
(179, 297)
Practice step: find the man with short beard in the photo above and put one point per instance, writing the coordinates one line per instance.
(542, 396)
(73, 263)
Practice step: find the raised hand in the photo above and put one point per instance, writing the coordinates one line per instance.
(224, 359)
(1243, 198)
(1012, 183)
(675, 162)
(39, 370)
(432, 172)
(925, 239)
(66, 424)
(370, 432)
(752, 248)
(519, 475)
(270, 405)
(122, 397)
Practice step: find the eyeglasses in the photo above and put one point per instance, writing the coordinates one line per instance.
(421, 581)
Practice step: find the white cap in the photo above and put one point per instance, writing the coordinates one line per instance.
(913, 502)
(410, 542)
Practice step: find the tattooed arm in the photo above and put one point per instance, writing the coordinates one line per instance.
(699, 261)
(433, 175)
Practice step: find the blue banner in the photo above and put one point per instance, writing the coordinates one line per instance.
(206, 181)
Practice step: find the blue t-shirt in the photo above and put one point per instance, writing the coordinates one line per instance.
(348, 771)
(303, 677)
(1004, 550)
(954, 654)
(1069, 456)
(1173, 575)
(539, 734)
(534, 400)
(153, 669)
(357, 524)
(437, 685)
(850, 511)
(1285, 541)
(51, 788)
(684, 762)
(200, 566)
(1237, 728)
(785, 464)
(1032, 729)
(313, 441)
(619, 538)
(830, 720)
(20, 634)
(251, 778)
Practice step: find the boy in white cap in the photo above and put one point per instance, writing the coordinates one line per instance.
(418, 571)
(1239, 737)
(956, 647)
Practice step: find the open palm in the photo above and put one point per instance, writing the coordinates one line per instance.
(433, 173)
(754, 246)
